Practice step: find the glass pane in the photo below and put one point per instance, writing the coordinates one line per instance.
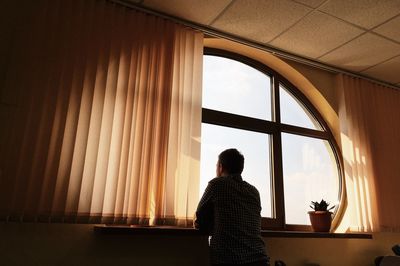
(294, 113)
(255, 149)
(309, 174)
(233, 87)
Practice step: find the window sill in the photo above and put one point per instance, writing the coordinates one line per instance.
(309, 234)
(173, 230)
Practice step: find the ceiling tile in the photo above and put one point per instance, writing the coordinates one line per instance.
(310, 3)
(365, 13)
(364, 51)
(260, 20)
(390, 29)
(203, 12)
(388, 70)
(315, 35)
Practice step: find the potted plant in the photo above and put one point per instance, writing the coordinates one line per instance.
(320, 217)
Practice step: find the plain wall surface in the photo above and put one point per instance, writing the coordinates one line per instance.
(77, 244)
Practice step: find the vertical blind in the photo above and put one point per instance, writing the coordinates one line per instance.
(370, 128)
(105, 119)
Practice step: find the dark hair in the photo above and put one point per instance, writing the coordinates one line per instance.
(232, 161)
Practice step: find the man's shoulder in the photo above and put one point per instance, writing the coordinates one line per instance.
(224, 180)
(251, 187)
(217, 180)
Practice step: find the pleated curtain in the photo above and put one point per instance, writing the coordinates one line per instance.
(370, 129)
(102, 113)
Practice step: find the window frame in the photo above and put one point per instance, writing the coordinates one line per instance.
(275, 129)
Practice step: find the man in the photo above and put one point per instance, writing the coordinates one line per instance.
(229, 212)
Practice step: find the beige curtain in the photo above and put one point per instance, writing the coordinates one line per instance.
(105, 115)
(370, 125)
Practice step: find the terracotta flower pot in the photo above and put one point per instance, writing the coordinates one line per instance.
(320, 220)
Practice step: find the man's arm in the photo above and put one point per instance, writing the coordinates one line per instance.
(205, 211)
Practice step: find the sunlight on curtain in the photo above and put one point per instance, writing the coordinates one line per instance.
(370, 125)
(107, 118)
(183, 166)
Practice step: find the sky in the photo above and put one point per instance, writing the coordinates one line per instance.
(309, 168)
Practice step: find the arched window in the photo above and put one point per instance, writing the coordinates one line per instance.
(290, 153)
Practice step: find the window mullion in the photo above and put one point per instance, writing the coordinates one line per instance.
(276, 155)
(304, 131)
(237, 121)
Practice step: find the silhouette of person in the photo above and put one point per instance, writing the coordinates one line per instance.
(229, 212)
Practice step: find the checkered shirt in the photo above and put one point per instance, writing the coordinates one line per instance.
(229, 212)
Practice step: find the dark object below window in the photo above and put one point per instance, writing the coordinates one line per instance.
(389, 260)
(396, 249)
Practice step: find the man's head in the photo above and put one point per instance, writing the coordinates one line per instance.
(230, 161)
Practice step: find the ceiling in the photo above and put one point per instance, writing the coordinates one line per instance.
(361, 36)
